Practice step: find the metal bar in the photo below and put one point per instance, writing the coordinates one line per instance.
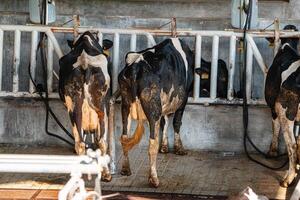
(51, 164)
(232, 52)
(1, 57)
(196, 93)
(133, 42)
(34, 45)
(50, 50)
(115, 62)
(76, 25)
(47, 168)
(214, 67)
(39, 157)
(277, 36)
(173, 27)
(249, 66)
(100, 37)
(191, 100)
(112, 142)
(55, 44)
(226, 33)
(17, 46)
(218, 101)
(257, 55)
(151, 40)
(26, 95)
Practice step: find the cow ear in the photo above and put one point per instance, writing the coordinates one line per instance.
(70, 43)
(107, 44)
(202, 72)
(199, 71)
(271, 40)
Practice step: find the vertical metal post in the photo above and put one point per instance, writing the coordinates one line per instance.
(50, 50)
(249, 66)
(232, 52)
(34, 44)
(277, 36)
(100, 37)
(76, 21)
(98, 187)
(133, 42)
(1, 57)
(151, 41)
(173, 27)
(196, 92)
(116, 50)
(17, 45)
(214, 67)
(111, 132)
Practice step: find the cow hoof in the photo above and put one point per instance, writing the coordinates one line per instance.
(125, 171)
(164, 149)
(80, 148)
(180, 151)
(106, 177)
(153, 182)
(272, 153)
(284, 184)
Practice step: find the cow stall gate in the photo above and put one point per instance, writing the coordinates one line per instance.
(54, 46)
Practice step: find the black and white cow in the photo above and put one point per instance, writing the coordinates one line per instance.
(222, 78)
(154, 85)
(84, 85)
(282, 93)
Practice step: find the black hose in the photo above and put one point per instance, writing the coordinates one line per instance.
(40, 89)
(245, 104)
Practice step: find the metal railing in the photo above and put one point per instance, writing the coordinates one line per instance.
(92, 163)
(53, 45)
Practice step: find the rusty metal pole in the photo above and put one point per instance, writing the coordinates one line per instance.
(76, 25)
(173, 27)
(277, 36)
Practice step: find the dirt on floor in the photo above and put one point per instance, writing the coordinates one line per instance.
(198, 175)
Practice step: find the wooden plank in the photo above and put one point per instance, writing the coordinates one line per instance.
(16, 194)
(47, 194)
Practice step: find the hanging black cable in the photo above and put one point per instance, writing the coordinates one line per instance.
(245, 103)
(40, 88)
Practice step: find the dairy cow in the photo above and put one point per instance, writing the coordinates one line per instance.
(222, 78)
(84, 85)
(282, 94)
(154, 85)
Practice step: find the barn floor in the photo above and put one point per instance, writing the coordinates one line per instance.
(198, 173)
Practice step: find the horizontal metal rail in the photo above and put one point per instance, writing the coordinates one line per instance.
(92, 163)
(50, 164)
(53, 46)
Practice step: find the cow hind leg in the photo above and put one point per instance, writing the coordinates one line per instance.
(102, 134)
(164, 145)
(177, 121)
(273, 151)
(126, 122)
(153, 150)
(287, 126)
(152, 108)
(76, 126)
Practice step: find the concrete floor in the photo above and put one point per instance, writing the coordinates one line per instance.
(198, 173)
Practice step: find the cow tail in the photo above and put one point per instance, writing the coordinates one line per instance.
(129, 143)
